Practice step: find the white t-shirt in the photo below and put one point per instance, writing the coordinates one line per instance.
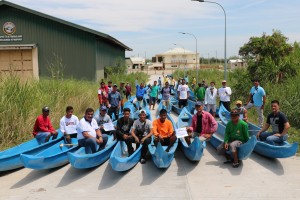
(183, 90)
(69, 125)
(86, 126)
(222, 93)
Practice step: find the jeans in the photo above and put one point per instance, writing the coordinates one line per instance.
(90, 144)
(271, 139)
(114, 110)
(41, 136)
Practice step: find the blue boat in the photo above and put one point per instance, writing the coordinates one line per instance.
(244, 151)
(119, 159)
(194, 151)
(80, 160)
(224, 114)
(280, 150)
(52, 157)
(161, 106)
(10, 158)
(160, 157)
(192, 96)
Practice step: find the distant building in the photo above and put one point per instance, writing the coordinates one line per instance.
(176, 58)
(236, 63)
(31, 41)
(135, 63)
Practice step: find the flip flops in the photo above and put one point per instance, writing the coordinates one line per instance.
(235, 165)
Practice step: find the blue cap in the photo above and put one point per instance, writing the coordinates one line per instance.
(199, 103)
(103, 108)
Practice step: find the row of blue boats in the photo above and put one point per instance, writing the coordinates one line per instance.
(57, 153)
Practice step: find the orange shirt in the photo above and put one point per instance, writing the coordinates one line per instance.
(163, 129)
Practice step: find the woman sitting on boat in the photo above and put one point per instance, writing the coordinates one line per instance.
(236, 133)
(280, 126)
(141, 132)
(203, 124)
(163, 131)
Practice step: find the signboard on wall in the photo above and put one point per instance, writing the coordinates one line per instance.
(9, 30)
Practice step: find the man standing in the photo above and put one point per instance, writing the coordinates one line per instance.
(166, 93)
(128, 90)
(122, 92)
(43, 128)
(203, 124)
(159, 82)
(109, 86)
(89, 135)
(183, 92)
(280, 126)
(114, 99)
(103, 94)
(153, 95)
(124, 125)
(224, 93)
(241, 110)
(163, 130)
(141, 132)
(200, 93)
(103, 118)
(140, 91)
(211, 98)
(236, 133)
(68, 125)
(257, 98)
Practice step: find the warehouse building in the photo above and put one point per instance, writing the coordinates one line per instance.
(33, 44)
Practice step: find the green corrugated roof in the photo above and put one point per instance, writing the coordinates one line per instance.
(102, 35)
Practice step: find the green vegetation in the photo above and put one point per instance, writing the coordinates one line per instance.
(21, 102)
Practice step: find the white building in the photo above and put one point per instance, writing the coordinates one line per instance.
(236, 63)
(135, 62)
(177, 58)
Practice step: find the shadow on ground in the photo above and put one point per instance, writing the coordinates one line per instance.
(110, 177)
(73, 174)
(149, 178)
(34, 175)
(220, 159)
(271, 164)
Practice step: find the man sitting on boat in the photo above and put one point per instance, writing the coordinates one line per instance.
(141, 132)
(236, 133)
(89, 134)
(43, 128)
(203, 124)
(163, 130)
(103, 118)
(124, 125)
(280, 126)
(68, 124)
(241, 110)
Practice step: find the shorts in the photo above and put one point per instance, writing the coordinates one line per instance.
(232, 146)
(212, 107)
(182, 102)
(152, 100)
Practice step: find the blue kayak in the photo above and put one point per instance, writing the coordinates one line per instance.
(119, 159)
(194, 151)
(52, 157)
(10, 158)
(160, 157)
(80, 160)
(244, 151)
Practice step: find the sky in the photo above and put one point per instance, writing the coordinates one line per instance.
(152, 27)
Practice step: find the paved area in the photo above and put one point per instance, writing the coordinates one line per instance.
(257, 178)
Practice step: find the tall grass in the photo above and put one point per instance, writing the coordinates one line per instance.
(21, 102)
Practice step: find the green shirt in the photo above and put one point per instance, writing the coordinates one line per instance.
(200, 93)
(237, 131)
(122, 92)
(154, 91)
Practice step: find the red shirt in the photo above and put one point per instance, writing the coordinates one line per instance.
(42, 124)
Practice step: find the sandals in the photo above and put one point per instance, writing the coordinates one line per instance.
(235, 165)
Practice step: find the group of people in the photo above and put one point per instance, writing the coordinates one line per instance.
(91, 134)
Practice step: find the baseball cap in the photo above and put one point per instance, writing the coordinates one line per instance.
(115, 85)
(224, 81)
(103, 108)
(142, 111)
(199, 103)
(239, 102)
(45, 109)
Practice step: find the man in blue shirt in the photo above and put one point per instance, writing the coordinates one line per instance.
(153, 94)
(114, 99)
(140, 91)
(257, 98)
